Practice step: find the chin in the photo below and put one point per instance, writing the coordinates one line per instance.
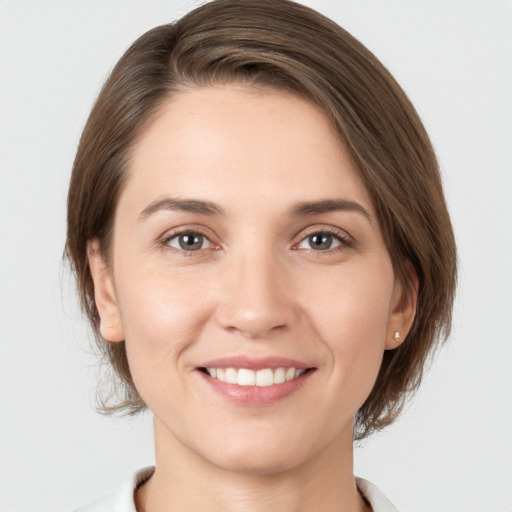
(258, 462)
(259, 454)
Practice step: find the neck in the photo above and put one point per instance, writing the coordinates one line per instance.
(185, 481)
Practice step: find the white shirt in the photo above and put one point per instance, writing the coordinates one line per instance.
(122, 500)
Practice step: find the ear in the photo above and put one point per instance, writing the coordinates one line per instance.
(402, 316)
(111, 328)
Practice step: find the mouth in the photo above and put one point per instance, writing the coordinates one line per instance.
(261, 378)
(255, 382)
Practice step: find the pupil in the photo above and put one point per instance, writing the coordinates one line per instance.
(321, 241)
(190, 241)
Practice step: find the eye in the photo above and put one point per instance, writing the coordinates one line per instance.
(189, 241)
(322, 241)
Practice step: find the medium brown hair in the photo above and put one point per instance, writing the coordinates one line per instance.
(283, 45)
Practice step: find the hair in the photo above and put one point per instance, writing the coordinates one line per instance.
(286, 46)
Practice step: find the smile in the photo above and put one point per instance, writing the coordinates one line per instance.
(250, 381)
(261, 378)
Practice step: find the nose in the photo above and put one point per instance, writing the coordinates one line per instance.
(256, 296)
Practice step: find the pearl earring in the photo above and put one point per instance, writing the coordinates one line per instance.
(396, 336)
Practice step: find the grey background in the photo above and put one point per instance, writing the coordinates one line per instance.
(452, 449)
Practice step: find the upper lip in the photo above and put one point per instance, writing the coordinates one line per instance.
(255, 363)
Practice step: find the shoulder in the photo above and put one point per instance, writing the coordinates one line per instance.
(121, 499)
(375, 497)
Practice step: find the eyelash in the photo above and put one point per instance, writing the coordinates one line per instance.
(345, 241)
(180, 232)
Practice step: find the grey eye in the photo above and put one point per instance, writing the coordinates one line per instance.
(320, 242)
(189, 241)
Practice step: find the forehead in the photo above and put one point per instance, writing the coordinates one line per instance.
(234, 144)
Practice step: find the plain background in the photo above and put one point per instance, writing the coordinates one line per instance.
(451, 450)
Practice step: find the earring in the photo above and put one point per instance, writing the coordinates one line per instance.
(396, 336)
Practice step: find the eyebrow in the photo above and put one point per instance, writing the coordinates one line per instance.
(328, 205)
(300, 209)
(183, 205)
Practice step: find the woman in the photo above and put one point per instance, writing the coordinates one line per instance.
(258, 230)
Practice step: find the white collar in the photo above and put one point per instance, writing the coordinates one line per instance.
(375, 497)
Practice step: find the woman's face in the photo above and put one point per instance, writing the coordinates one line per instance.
(247, 252)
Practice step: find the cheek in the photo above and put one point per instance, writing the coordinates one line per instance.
(161, 316)
(351, 318)
(356, 305)
(162, 319)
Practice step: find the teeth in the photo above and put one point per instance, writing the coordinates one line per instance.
(279, 376)
(261, 378)
(231, 376)
(246, 377)
(264, 377)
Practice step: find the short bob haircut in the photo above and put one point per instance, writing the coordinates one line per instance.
(281, 45)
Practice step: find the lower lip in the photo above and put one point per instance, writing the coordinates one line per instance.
(256, 396)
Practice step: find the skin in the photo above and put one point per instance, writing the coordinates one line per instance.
(256, 285)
